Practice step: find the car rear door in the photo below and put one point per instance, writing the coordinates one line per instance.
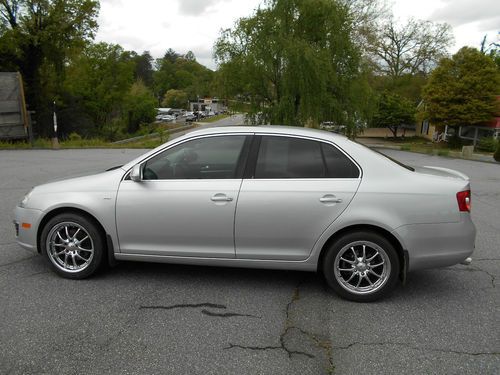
(185, 203)
(293, 189)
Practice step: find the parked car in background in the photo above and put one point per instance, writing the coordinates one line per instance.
(191, 118)
(168, 118)
(260, 197)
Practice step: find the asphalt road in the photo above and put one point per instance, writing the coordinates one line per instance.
(168, 319)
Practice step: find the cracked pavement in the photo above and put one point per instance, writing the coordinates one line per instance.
(170, 319)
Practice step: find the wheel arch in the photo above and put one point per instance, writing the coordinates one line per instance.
(400, 250)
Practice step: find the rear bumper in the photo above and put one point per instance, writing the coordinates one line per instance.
(26, 222)
(438, 245)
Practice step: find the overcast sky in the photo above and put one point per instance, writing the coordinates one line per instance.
(183, 25)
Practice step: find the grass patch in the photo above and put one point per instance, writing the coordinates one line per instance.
(43, 143)
(214, 118)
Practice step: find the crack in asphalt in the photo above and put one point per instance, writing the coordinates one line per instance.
(204, 311)
(476, 269)
(262, 348)
(227, 315)
(409, 346)
(184, 306)
(324, 345)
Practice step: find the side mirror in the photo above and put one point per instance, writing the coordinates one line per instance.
(136, 173)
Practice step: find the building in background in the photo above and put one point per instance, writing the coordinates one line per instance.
(472, 133)
(208, 105)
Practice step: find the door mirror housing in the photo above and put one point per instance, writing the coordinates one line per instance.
(136, 173)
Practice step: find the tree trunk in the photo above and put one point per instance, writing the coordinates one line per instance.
(394, 130)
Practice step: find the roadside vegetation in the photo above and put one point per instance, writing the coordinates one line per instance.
(45, 143)
(214, 118)
(290, 62)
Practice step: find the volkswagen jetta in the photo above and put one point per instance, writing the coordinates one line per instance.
(263, 197)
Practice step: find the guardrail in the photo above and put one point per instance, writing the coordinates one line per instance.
(155, 135)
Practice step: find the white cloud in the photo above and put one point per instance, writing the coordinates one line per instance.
(462, 12)
(197, 7)
(157, 25)
(184, 25)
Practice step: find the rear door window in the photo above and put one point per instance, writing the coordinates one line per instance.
(289, 157)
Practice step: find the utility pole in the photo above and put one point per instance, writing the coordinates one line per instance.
(55, 141)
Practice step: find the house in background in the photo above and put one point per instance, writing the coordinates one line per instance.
(474, 133)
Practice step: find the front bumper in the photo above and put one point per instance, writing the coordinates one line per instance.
(26, 221)
(438, 245)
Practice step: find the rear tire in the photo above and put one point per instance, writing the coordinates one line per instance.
(73, 245)
(361, 266)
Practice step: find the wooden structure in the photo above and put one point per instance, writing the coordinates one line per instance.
(14, 119)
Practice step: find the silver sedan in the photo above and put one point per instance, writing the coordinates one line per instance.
(263, 197)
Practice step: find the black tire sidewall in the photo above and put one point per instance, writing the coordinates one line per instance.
(91, 228)
(329, 260)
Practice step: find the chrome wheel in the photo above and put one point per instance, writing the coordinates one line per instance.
(70, 247)
(362, 267)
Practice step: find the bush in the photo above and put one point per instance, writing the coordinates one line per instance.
(496, 155)
(113, 130)
(74, 136)
(455, 142)
(489, 144)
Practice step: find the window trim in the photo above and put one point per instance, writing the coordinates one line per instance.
(241, 163)
(255, 149)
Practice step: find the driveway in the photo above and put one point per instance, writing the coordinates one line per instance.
(170, 319)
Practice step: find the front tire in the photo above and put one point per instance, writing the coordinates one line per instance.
(361, 266)
(73, 245)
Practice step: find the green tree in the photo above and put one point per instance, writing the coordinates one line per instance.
(178, 72)
(393, 112)
(175, 99)
(462, 89)
(38, 37)
(143, 68)
(139, 106)
(294, 61)
(100, 79)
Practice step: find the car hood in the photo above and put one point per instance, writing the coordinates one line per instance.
(442, 172)
(104, 181)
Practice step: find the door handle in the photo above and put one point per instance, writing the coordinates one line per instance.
(221, 198)
(329, 198)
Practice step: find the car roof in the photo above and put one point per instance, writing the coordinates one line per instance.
(268, 129)
(340, 140)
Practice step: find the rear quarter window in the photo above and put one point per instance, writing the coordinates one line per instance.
(338, 165)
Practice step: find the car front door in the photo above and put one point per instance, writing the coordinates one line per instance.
(296, 188)
(185, 203)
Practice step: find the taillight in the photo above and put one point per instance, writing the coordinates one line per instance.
(463, 199)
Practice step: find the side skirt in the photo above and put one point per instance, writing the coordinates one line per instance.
(306, 265)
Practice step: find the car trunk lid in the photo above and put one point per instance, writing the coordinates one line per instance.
(443, 172)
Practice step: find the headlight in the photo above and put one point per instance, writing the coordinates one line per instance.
(25, 200)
